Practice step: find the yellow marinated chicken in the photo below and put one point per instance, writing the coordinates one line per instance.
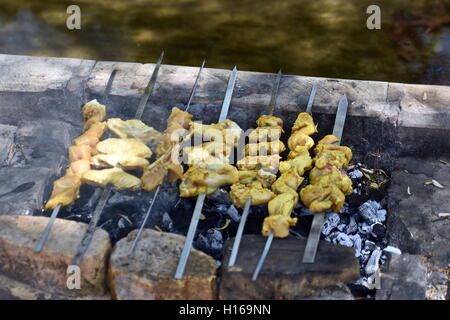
(269, 163)
(125, 146)
(177, 128)
(319, 198)
(209, 152)
(331, 175)
(227, 131)
(122, 160)
(80, 152)
(93, 112)
(332, 155)
(155, 174)
(265, 134)
(264, 148)
(269, 121)
(279, 219)
(114, 176)
(79, 167)
(239, 194)
(198, 180)
(292, 170)
(134, 129)
(65, 191)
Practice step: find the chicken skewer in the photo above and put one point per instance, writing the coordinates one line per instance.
(248, 201)
(201, 197)
(84, 244)
(147, 214)
(314, 233)
(85, 151)
(281, 207)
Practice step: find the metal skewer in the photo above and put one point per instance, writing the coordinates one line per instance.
(248, 202)
(48, 228)
(314, 234)
(263, 256)
(147, 214)
(85, 242)
(201, 198)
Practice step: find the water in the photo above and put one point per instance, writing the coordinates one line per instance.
(318, 38)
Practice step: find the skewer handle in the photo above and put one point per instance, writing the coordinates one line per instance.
(240, 231)
(190, 236)
(263, 256)
(47, 230)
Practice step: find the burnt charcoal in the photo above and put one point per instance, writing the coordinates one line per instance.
(369, 245)
(233, 213)
(167, 223)
(378, 231)
(352, 226)
(373, 263)
(381, 214)
(364, 228)
(360, 291)
(341, 238)
(331, 221)
(220, 196)
(357, 244)
(341, 227)
(355, 174)
(368, 211)
(210, 242)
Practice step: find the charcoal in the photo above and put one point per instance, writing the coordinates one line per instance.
(392, 250)
(341, 227)
(210, 242)
(341, 238)
(220, 196)
(167, 223)
(373, 263)
(369, 245)
(378, 231)
(352, 226)
(355, 174)
(381, 215)
(233, 213)
(364, 228)
(345, 209)
(331, 222)
(368, 211)
(357, 244)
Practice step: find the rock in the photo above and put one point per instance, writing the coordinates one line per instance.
(14, 290)
(28, 200)
(337, 292)
(148, 273)
(405, 278)
(7, 134)
(47, 271)
(284, 276)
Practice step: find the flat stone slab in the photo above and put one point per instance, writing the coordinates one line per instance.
(283, 275)
(47, 271)
(406, 279)
(148, 273)
(7, 134)
(413, 221)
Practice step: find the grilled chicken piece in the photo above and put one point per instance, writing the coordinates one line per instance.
(177, 125)
(301, 163)
(279, 219)
(134, 129)
(289, 181)
(305, 124)
(319, 198)
(328, 139)
(80, 152)
(269, 121)
(87, 140)
(210, 152)
(227, 131)
(198, 180)
(124, 146)
(65, 191)
(298, 138)
(155, 173)
(123, 160)
(239, 193)
(114, 176)
(79, 167)
(269, 163)
(331, 175)
(93, 112)
(266, 134)
(92, 135)
(332, 155)
(264, 148)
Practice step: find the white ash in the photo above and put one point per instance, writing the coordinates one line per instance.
(233, 213)
(363, 229)
(355, 174)
(167, 223)
(210, 241)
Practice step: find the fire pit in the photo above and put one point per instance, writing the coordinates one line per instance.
(398, 134)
